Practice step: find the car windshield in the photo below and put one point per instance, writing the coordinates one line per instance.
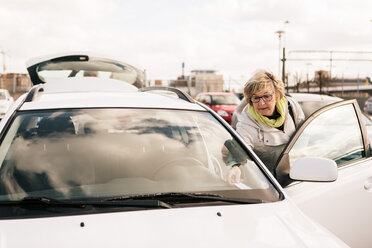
(225, 100)
(98, 153)
(84, 66)
(2, 96)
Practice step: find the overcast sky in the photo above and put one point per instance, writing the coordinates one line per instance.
(234, 37)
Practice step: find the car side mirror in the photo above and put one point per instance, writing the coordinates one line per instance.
(314, 169)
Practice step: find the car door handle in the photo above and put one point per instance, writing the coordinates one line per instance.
(368, 184)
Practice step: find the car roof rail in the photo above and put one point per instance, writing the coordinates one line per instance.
(34, 92)
(182, 95)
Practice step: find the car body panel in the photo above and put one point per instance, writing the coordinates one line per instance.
(341, 206)
(263, 225)
(106, 100)
(58, 94)
(229, 108)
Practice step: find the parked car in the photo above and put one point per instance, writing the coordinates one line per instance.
(368, 106)
(6, 100)
(222, 103)
(97, 162)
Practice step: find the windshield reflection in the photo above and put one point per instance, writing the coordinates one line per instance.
(107, 152)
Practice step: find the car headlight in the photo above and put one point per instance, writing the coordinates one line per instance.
(222, 113)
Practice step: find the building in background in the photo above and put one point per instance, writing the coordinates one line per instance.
(206, 81)
(199, 81)
(183, 83)
(15, 83)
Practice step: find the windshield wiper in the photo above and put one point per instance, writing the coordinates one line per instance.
(177, 196)
(42, 201)
(50, 202)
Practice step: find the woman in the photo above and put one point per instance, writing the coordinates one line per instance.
(266, 119)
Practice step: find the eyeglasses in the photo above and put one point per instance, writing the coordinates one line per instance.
(265, 98)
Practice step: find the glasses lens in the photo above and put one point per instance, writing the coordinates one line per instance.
(255, 99)
(267, 97)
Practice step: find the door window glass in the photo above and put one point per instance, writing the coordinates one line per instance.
(334, 134)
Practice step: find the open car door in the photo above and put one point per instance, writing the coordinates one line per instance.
(336, 132)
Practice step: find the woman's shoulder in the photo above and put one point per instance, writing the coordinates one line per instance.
(296, 108)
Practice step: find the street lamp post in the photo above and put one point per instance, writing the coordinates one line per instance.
(280, 32)
(3, 83)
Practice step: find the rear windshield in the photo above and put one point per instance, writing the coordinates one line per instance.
(85, 153)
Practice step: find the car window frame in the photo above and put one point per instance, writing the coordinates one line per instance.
(282, 166)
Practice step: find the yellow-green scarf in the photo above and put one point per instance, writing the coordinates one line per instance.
(281, 107)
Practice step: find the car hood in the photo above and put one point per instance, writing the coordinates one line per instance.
(228, 108)
(278, 224)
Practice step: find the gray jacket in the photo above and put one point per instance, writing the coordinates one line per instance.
(267, 142)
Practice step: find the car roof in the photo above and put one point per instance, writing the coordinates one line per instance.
(100, 93)
(304, 97)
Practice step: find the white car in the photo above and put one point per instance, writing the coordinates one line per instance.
(93, 162)
(6, 100)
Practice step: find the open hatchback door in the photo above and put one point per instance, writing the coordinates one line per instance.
(67, 65)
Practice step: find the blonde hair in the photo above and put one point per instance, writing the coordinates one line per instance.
(260, 80)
